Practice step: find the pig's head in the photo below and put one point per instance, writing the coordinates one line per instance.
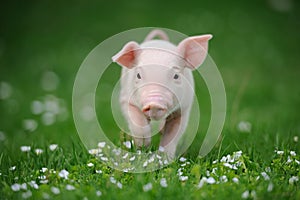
(158, 74)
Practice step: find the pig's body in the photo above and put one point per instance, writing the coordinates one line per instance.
(156, 84)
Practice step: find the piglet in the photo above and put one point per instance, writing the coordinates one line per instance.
(157, 84)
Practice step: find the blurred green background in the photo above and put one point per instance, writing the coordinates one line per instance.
(255, 46)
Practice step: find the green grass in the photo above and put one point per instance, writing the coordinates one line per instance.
(255, 47)
(88, 176)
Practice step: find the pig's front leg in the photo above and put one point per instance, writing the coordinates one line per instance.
(139, 126)
(173, 130)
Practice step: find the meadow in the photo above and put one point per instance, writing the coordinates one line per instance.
(256, 48)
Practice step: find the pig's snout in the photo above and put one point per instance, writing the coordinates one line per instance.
(155, 107)
(154, 111)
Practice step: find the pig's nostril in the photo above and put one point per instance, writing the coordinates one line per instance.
(153, 108)
(146, 109)
(160, 109)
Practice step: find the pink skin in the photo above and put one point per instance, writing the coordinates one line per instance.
(157, 84)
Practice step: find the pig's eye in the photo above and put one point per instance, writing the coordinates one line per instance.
(138, 76)
(176, 76)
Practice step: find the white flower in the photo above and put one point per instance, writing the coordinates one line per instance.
(214, 170)
(52, 105)
(270, 187)
(223, 159)
(99, 171)
(245, 194)
(235, 180)
(215, 162)
(179, 173)
(289, 160)
(182, 159)
(293, 153)
(13, 168)
(201, 182)
(64, 174)
(98, 193)
(161, 149)
(30, 125)
(160, 162)
(90, 164)
(296, 138)
(15, 187)
(24, 186)
(151, 159)
(52, 147)
(116, 151)
(26, 194)
(127, 144)
(211, 180)
(101, 144)
(147, 187)
(297, 161)
(2, 136)
(183, 178)
(119, 185)
(145, 163)
(163, 182)
(44, 181)
(293, 179)
(223, 178)
(49, 81)
(125, 156)
(55, 190)
(94, 151)
(43, 177)
(279, 152)
(44, 169)
(253, 194)
(113, 180)
(33, 185)
(48, 118)
(104, 159)
(207, 173)
(228, 165)
(132, 158)
(70, 187)
(237, 155)
(5, 90)
(265, 176)
(244, 127)
(37, 107)
(38, 151)
(25, 148)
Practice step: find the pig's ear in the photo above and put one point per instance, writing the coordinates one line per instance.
(194, 50)
(127, 56)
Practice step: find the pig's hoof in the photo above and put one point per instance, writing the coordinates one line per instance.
(142, 142)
